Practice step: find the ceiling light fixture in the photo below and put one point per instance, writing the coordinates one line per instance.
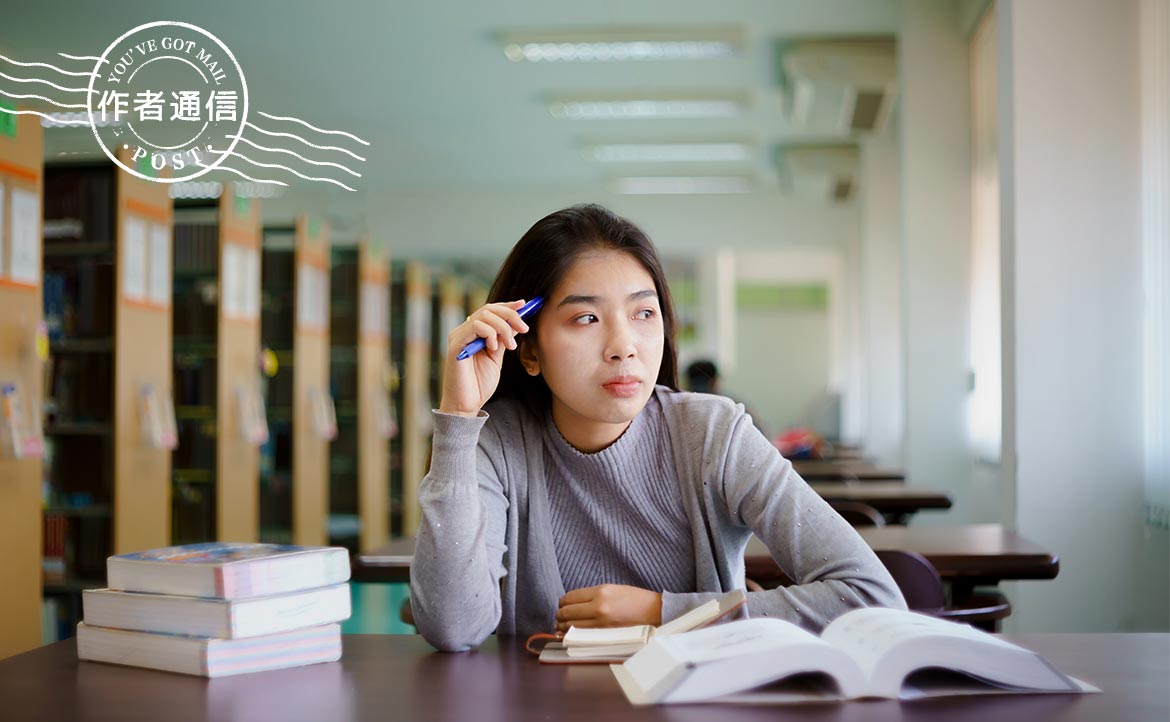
(640, 108)
(683, 185)
(667, 152)
(70, 120)
(622, 45)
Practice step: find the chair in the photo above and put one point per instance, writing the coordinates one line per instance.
(923, 590)
(858, 513)
(405, 613)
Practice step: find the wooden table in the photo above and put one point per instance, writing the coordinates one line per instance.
(845, 470)
(389, 678)
(968, 554)
(964, 555)
(896, 501)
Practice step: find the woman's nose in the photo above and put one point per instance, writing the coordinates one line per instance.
(620, 343)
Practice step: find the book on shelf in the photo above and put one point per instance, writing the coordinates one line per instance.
(219, 618)
(209, 657)
(228, 570)
(581, 645)
(874, 652)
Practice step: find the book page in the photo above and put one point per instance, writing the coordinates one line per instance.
(704, 613)
(746, 654)
(748, 636)
(582, 636)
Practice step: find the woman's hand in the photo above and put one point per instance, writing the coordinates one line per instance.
(609, 605)
(468, 384)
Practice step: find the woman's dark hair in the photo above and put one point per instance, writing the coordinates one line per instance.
(542, 257)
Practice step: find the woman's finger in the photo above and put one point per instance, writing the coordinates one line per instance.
(511, 316)
(487, 332)
(500, 325)
(581, 623)
(573, 612)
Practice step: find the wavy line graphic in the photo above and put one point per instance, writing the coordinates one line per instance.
(295, 155)
(284, 167)
(33, 112)
(307, 125)
(41, 97)
(244, 175)
(82, 57)
(45, 65)
(297, 137)
(46, 82)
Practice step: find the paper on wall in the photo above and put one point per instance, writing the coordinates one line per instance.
(24, 264)
(134, 259)
(3, 232)
(250, 279)
(160, 265)
(230, 281)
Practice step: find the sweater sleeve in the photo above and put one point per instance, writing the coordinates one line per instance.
(459, 548)
(834, 570)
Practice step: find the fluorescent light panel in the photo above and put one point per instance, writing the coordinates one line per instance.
(214, 189)
(53, 120)
(622, 45)
(667, 152)
(683, 185)
(646, 108)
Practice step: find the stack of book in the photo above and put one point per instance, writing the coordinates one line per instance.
(218, 609)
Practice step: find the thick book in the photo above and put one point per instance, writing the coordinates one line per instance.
(227, 570)
(582, 645)
(209, 657)
(220, 618)
(884, 653)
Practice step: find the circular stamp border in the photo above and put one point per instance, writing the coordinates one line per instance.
(205, 168)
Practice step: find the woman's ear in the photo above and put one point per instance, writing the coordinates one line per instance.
(529, 358)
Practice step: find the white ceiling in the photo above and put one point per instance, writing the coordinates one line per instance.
(429, 86)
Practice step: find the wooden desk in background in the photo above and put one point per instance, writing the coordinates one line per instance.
(896, 501)
(845, 470)
(389, 678)
(963, 555)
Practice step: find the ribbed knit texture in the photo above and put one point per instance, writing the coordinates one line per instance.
(492, 554)
(617, 515)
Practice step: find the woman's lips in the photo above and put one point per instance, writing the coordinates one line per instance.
(623, 388)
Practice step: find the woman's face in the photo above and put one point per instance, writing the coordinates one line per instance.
(599, 346)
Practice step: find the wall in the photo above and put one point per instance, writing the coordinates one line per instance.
(881, 302)
(1072, 270)
(935, 173)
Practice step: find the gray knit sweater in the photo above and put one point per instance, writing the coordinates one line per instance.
(486, 552)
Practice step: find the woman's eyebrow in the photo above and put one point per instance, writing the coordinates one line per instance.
(594, 300)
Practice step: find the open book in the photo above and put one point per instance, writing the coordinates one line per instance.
(864, 653)
(610, 644)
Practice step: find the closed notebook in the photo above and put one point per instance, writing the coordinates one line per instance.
(222, 618)
(209, 657)
(608, 644)
(227, 570)
(885, 653)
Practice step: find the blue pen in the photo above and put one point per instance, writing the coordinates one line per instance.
(479, 344)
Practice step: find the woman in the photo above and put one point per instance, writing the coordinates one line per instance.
(590, 491)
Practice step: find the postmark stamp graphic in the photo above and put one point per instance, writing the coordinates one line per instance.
(173, 95)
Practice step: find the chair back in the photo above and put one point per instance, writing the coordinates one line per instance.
(917, 578)
(858, 513)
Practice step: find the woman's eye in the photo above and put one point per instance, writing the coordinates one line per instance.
(583, 319)
(646, 314)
